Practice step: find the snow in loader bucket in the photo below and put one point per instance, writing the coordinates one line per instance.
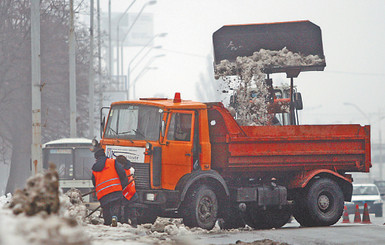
(303, 37)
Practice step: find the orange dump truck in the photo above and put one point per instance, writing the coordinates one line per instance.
(192, 160)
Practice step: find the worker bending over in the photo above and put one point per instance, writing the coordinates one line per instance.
(109, 179)
(129, 192)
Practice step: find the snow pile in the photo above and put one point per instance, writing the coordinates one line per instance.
(253, 110)
(5, 200)
(41, 194)
(163, 231)
(72, 206)
(32, 215)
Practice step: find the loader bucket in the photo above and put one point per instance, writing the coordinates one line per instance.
(302, 37)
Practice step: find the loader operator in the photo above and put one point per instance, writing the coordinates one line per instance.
(129, 192)
(109, 180)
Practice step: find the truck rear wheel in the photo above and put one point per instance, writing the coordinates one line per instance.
(322, 205)
(201, 208)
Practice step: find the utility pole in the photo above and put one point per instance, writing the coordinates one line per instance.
(72, 72)
(109, 42)
(99, 57)
(91, 74)
(380, 144)
(36, 152)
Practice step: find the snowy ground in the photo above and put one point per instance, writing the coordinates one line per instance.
(61, 229)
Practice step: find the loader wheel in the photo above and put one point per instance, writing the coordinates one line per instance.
(324, 203)
(201, 208)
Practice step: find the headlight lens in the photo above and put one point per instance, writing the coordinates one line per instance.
(150, 197)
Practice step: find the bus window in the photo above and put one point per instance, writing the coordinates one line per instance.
(62, 158)
(84, 159)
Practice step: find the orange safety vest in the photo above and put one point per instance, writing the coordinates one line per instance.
(107, 180)
(130, 189)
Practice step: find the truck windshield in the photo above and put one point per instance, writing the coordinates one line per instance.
(134, 122)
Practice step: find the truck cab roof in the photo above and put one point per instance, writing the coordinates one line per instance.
(165, 103)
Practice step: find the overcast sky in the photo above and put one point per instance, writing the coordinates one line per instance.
(353, 40)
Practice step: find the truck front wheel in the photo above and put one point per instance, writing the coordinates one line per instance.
(324, 203)
(201, 208)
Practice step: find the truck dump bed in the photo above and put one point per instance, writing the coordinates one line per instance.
(251, 149)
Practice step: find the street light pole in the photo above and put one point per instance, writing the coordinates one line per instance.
(109, 42)
(358, 109)
(117, 37)
(380, 143)
(141, 73)
(136, 56)
(72, 72)
(366, 116)
(91, 74)
(152, 2)
(146, 68)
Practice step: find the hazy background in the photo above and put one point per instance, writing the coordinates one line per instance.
(353, 40)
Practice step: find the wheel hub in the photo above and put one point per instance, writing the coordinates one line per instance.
(323, 202)
(205, 208)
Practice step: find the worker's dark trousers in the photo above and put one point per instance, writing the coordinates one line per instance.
(129, 210)
(111, 209)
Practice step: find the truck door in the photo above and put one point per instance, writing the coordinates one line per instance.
(177, 148)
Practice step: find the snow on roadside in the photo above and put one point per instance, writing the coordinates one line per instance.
(32, 215)
(69, 225)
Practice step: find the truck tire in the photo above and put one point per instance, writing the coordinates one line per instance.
(232, 220)
(201, 208)
(267, 219)
(276, 218)
(254, 218)
(324, 203)
(145, 216)
(300, 212)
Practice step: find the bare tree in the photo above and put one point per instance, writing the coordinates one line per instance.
(15, 79)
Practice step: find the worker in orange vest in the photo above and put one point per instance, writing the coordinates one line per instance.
(129, 192)
(109, 179)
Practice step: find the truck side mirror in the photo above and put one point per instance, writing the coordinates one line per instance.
(163, 128)
(102, 124)
(298, 101)
(102, 120)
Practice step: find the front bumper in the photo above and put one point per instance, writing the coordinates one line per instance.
(166, 201)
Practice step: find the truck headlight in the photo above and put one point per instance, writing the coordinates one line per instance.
(150, 196)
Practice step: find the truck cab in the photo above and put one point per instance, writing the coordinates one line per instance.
(166, 140)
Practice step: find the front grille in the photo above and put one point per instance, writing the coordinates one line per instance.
(142, 175)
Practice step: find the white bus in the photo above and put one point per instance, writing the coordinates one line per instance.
(73, 160)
